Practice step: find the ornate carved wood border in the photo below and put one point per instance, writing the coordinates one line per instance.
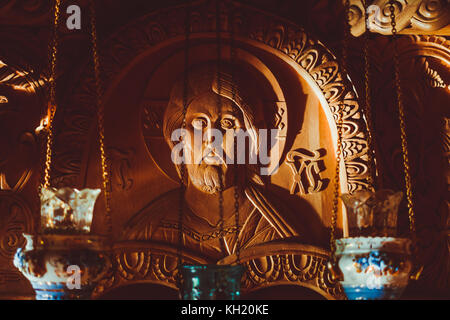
(284, 264)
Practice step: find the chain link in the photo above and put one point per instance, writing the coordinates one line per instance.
(335, 207)
(368, 111)
(179, 278)
(53, 52)
(392, 17)
(219, 106)
(236, 172)
(340, 121)
(346, 37)
(401, 115)
(100, 121)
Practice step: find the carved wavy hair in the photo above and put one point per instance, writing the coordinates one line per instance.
(203, 79)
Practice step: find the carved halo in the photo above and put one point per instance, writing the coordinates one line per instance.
(275, 113)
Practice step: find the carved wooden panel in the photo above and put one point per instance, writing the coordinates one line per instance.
(304, 85)
(292, 67)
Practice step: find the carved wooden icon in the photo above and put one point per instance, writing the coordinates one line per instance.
(291, 82)
(288, 81)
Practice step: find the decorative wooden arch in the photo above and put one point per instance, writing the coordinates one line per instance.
(317, 64)
(143, 262)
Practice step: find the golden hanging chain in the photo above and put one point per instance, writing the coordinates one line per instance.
(236, 172)
(52, 96)
(100, 120)
(371, 179)
(336, 184)
(339, 125)
(219, 105)
(401, 115)
(179, 278)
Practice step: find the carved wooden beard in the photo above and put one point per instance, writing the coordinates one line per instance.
(207, 178)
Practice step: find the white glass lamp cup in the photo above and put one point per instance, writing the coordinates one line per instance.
(67, 210)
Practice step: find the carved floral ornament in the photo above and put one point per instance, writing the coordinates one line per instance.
(412, 17)
(266, 266)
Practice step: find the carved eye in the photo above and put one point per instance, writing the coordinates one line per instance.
(199, 123)
(227, 124)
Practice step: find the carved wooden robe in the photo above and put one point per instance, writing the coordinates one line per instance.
(259, 221)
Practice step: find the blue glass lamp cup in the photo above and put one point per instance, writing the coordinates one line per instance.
(211, 282)
(374, 268)
(374, 263)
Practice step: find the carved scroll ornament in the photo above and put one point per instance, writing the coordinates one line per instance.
(413, 17)
(265, 266)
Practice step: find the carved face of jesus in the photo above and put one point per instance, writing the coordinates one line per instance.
(211, 125)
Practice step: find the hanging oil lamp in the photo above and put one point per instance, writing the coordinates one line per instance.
(209, 282)
(373, 263)
(64, 261)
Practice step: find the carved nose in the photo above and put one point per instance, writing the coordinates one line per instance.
(212, 143)
(212, 133)
(208, 136)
